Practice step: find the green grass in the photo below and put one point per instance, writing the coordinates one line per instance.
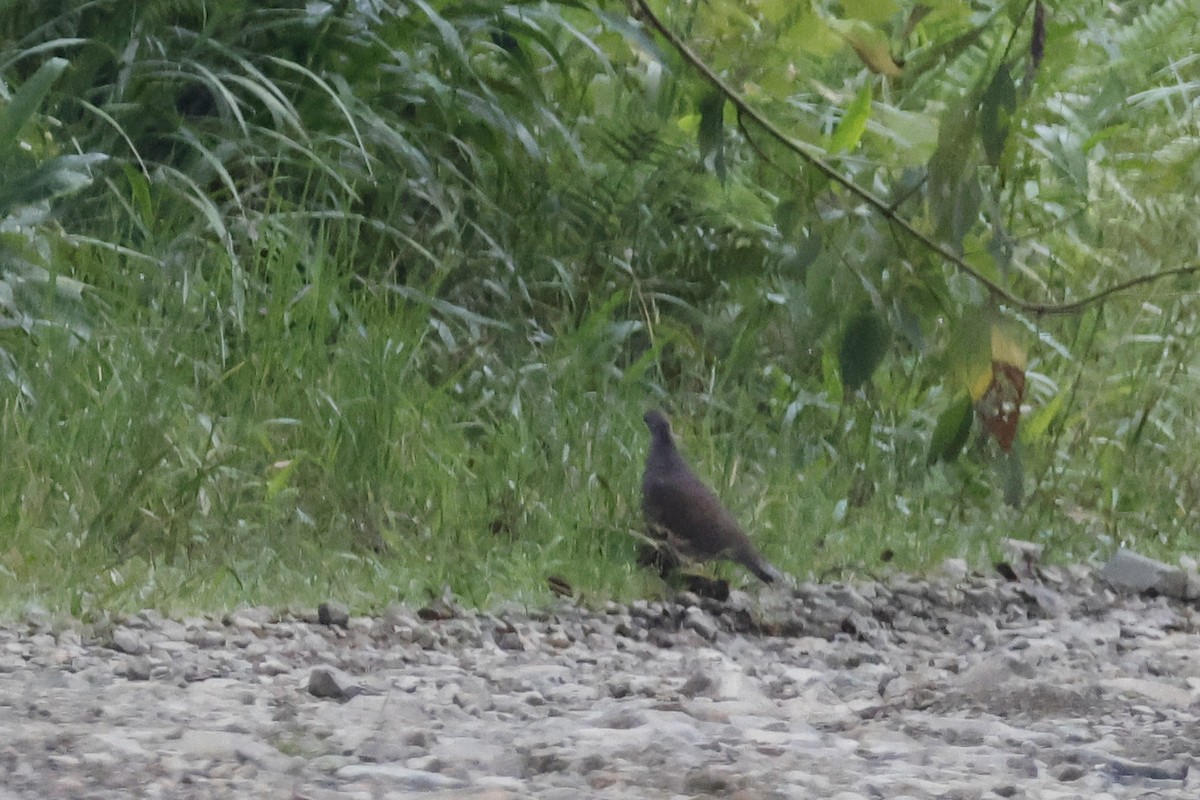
(372, 460)
(375, 307)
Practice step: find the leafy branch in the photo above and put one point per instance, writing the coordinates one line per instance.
(745, 110)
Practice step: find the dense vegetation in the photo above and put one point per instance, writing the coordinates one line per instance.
(365, 299)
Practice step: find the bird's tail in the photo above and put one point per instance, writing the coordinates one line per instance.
(760, 567)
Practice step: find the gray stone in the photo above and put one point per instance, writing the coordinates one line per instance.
(127, 640)
(331, 613)
(1133, 572)
(325, 684)
(955, 569)
(695, 619)
(138, 669)
(1022, 549)
(272, 666)
(1068, 772)
(959, 690)
(543, 760)
(509, 639)
(709, 780)
(402, 778)
(1126, 768)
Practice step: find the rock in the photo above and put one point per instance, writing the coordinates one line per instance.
(1161, 693)
(252, 618)
(127, 640)
(1132, 572)
(137, 669)
(1126, 768)
(442, 608)
(333, 614)
(955, 569)
(558, 638)
(694, 619)
(544, 760)
(272, 666)
(1049, 602)
(401, 778)
(698, 683)
(507, 637)
(911, 688)
(847, 599)
(709, 780)
(1068, 772)
(1022, 550)
(323, 683)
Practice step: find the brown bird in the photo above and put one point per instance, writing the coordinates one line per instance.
(684, 512)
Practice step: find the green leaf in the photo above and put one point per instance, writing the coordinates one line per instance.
(1039, 421)
(951, 165)
(969, 352)
(788, 216)
(819, 279)
(711, 135)
(864, 344)
(808, 248)
(869, 44)
(635, 35)
(951, 431)
(25, 102)
(139, 194)
(912, 134)
(850, 130)
(446, 31)
(55, 177)
(995, 110)
(967, 202)
(869, 10)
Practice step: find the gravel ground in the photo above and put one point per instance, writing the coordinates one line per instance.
(957, 686)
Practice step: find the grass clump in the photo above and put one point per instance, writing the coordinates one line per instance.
(361, 301)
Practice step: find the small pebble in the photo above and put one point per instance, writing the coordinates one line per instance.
(957, 686)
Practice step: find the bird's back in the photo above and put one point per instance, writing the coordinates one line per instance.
(679, 504)
(674, 498)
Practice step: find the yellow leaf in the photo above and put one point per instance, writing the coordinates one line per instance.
(980, 382)
(970, 357)
(870, 44)
(1006, 350)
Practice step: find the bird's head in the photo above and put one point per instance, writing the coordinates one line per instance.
(657, 422)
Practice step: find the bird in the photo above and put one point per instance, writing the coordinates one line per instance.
(681, 510)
